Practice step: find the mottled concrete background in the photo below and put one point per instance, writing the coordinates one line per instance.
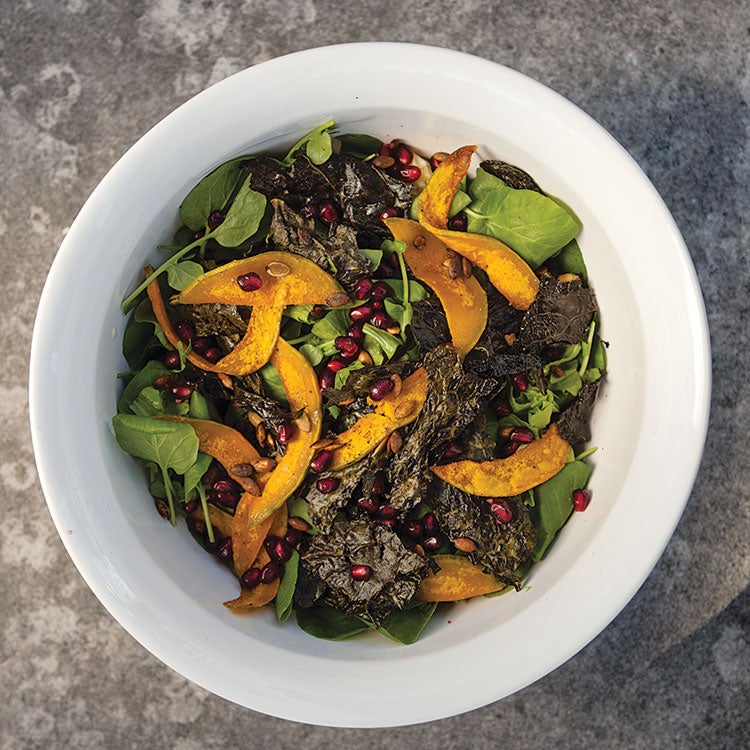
(81, 80)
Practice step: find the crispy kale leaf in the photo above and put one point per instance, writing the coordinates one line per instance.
(510, 175)
(574, 421)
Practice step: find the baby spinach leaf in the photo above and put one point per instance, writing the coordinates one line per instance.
(535, 226)
(300, 313)
(405, 626)
(145, 377)
(330, 624)
(151, 402)
(570, 260)
(359, 144)
(285, 594)
(343, 374)
(335, 323)
(199, 407)
(193, 484)
(374, 256)
(144, 313)
(417, 292)
(317, 144)
(313, 353)
(297, 506)
(272, 383)
(183, 274)
(210, 194)
(553, 504)
(387, 342)
(243, 217)
(139, 343)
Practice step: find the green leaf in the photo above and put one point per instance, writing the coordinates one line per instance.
(416, 290)
(272, 383)
(297, 506)
(359, 144)
(195, 473)
(313, 354)
(387, 342)
(570, 260)
(342, 375)
(326, 622)
(139, 343)
(243, 217)
(183, 274)
(199, 406)
(300, 313)
(335, 323)
(404, 626)
(144, 313)
(151, 402)
(210, 194)
(374, 256)
(285, 594)
(145, 377)
(535, 226)
(553, 503)
(392, 246)
(321, 148)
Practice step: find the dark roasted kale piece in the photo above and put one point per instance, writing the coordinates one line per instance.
(429, 326)
(510, 175)
(396, 572)
(573, 423)
(501, 548)
(224, 322)
(323, 506)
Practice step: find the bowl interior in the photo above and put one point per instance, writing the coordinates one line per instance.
(163, 588)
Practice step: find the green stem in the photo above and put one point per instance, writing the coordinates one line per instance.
(301, 340)
(170, 494)
(590, 340)
(206, 514)
(129, 301)
(404, 278)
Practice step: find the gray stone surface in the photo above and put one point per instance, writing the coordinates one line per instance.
(81, 80)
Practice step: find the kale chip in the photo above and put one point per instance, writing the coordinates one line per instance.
(396, 572)
(323, 506)
(510, 175)
(573, 423)
(429, 326)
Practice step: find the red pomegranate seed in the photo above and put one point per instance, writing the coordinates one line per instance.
(328, 213)
(271, 571)
(361, 572)
(363, 288)
(459, 222)
(581, 499)
(387, 511)
(385, 150)
(381, 320)
(228, 499)
(369, 506)
(171, 360)
(355, 332)
(294, 536)
(414, 529)
(185, 331)
(318, 312)
(224, 485)
(381, 388)
(362, 313)
(182, 392)
(278, 549)
(389, 213)
(308, 211)
(201, 344)
(321, 461)
(348, 347)
(508, 448)
(327, 484)
(379, 291)
(501, 407)
(225, 549)
(250, 578)
(197, 235)
(213, 354)
(501, 511)
(191, 507)
(433, 543)
(402, 154)
(249, 282)
(335, 364)
(327, 379)
(410, 173)
(429, 524)
(378, 484)
(521, 435)
(285, 430)
(520, 382)
(215, 218)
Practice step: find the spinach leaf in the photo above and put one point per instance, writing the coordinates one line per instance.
(535, 226)
(553, 504)
(317, 144)
(144, 313)
(387, 342)
(359, 144)
(417, 291)
(327, 622)
(313, 353)
(405, 625)
(243, 217)
(199, 407)
(297, 506)
(183, 274)
(570, 260)
(285, 594)
(272, 384)
(374, 256)
(151, 402)
(193, 482)
(139, 344)
(335, 323)
(145, 377)
(210, 194)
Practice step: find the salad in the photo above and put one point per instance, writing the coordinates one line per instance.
(363, 376)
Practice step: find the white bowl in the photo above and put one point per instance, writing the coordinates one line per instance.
(649, 424)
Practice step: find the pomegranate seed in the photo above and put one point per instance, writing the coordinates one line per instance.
(389, 213)
(327, 379)
(185, 331)
(171, 360)
(250, 578)
(197, 235)
(335, 364)
(437, 159)
(385, 150)
(327, 213)
(378, 484)
(521, 435)
(225, 549)
(278, 549)
(215, 218)
(355, 332)
(227, 499)
(429, 524)
(433, 543)
(381, 320)
(381, 388)
(308, 211)
(501, 407)
(508, 448)
(410, 173)
(224, 485)
(294, 536)
(210, 476)
(459, 222)
(285, 430)
(362, 313)
(321, 461)
(452, 451)
(501, 511)
(317, 312)
(182, 392)
(369, 506)
(271, 571)
(403, 155)
(348, 347)
(249, 282)
(327, 484)
(414, 529)
(581, 499)
(164, 382)
(361, 572)
(379, 291)
(520, 382)
(387, 511)
(363, 288)
(191, 507)
(377, 305)
(213, 354)
(201, 344)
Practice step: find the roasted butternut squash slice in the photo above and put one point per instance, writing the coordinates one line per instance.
(372, 429)
(507, 271)
(528, 467)
(463, 299)
(458, 578)
(282, 279)
(303, 394)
